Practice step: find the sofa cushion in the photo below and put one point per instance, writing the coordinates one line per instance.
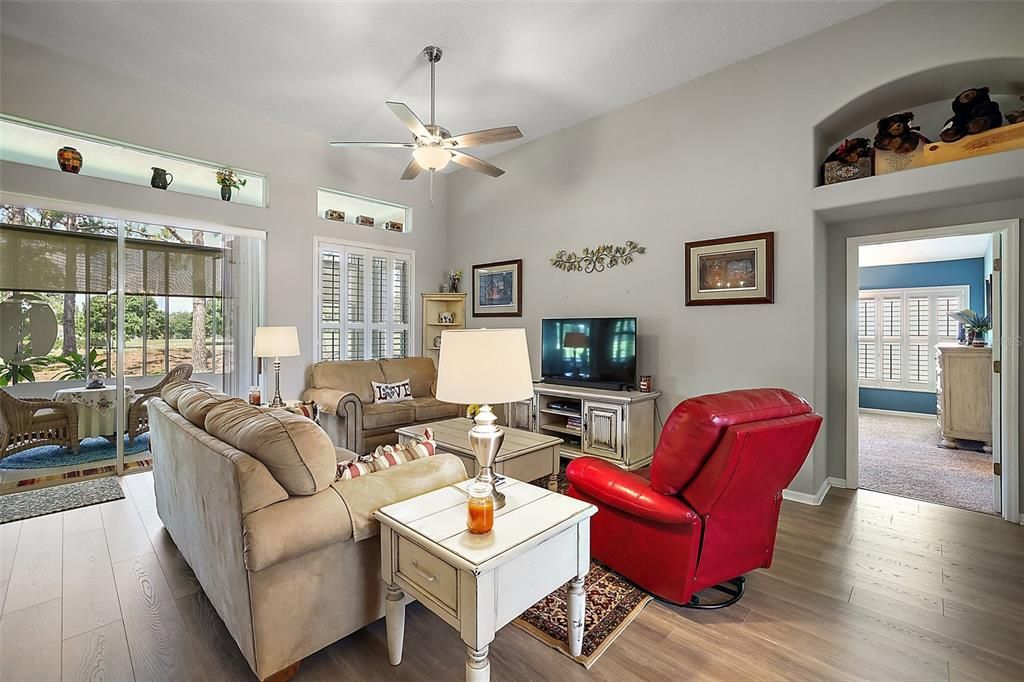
(431, 409)
(419, 371)
(195, 404)
(387, 456)
(297, 452)
(383, 415)
(174, 390)
(354, 376)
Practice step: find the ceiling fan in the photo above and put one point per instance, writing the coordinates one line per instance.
(433, 147)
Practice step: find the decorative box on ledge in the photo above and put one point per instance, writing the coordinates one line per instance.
(343, 207)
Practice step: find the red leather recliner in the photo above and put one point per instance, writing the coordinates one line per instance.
(709, 511)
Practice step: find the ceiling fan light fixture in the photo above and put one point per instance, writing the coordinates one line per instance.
(431, 157)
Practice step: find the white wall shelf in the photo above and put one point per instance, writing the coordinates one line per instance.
(36, 144)
(985, 178)
(352, 206)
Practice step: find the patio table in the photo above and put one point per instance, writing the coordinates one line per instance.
(96, 413)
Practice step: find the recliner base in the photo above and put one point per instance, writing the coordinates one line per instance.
(734, 588)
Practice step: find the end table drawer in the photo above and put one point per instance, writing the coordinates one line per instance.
(426, 571)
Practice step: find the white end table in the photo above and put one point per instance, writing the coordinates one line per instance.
(479, 583)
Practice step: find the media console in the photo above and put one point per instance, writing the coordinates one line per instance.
(618, 426)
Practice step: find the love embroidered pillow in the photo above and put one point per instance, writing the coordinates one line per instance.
(392, 393)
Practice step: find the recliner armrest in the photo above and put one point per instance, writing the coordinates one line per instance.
(627, 491)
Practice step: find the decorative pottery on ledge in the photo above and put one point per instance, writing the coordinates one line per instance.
(69, 159)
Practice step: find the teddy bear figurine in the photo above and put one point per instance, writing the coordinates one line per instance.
(1016, 116)
(895, 134)
(851, 150)
(973, 112)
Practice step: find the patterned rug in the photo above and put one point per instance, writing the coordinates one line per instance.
(612, 604)
(91, 450)
(50, 500)
(38, 480)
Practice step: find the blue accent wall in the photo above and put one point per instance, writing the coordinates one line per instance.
(969, 271)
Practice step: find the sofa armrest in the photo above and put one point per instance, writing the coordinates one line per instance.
(334, 401)
(364, 495)
(627, 491)
(293, 527)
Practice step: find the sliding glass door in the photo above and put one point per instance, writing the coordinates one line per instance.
(96, 312)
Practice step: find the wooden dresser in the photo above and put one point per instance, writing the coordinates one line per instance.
(963, 394)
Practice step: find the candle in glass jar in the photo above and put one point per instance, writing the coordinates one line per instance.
(480, 508)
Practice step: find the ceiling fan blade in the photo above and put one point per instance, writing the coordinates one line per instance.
(396, 145)
(410, 119)
(489, 136)
(476, 164)
(411, 171)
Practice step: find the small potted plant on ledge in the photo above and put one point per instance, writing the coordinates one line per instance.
(227, 179)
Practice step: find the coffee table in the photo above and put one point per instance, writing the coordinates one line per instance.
(524, 454)
(479, 583)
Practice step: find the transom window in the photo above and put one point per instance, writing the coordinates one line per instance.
(364, 302)
(898, 330)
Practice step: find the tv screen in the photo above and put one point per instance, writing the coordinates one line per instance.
(589, 350)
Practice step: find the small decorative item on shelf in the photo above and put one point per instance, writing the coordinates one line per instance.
(255, 397)
(850, 160)
(976, 326)
(1017, 115)
(365, 221)
(446, 318)
(479, 508)
(394, 226)
(161, 178)
(455, 276)
(444, 288)
(437, 341)
(334, 214)
(646, 383)
(227, 179)
(898, 144)
(973, 112)
(69, 159)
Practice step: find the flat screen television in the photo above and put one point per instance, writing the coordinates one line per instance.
(594, 351)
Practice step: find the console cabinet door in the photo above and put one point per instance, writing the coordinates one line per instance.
(602, 429)
(520, 415)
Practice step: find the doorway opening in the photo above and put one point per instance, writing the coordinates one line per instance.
(932, 394)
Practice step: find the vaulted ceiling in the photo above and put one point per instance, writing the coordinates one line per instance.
(328, 67)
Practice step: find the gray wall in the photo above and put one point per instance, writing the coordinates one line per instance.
(42, 85)
(837, 236)
(730, 153)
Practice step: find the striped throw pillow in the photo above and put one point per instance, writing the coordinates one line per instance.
(387, 456)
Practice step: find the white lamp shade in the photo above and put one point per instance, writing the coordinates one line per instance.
(484, 366)
(276, 342)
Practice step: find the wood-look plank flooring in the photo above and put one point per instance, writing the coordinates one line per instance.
(866, 586)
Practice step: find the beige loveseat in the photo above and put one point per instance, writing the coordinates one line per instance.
(289, 558)
(344, 396)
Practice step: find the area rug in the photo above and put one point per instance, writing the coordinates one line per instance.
(37, 480)
(612, 604)
(91, 450)
(901, 456)
(32, 503)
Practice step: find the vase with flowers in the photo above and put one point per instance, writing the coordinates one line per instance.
(976, 326)
(455, 276)
(228, 180)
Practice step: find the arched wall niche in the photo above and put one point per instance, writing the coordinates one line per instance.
(1004, 76)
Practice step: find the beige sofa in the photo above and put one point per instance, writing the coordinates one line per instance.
(289, 558)
(344, 396)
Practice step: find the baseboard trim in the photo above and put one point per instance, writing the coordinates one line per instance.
(896, 413)
(807, 498)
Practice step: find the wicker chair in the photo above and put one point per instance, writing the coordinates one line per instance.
(138, 415)
(31, 422)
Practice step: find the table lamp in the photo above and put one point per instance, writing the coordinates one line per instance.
(277, 343)
(576, 341)
(484, 366)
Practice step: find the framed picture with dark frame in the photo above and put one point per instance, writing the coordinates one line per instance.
(731, 270)
(498, 289)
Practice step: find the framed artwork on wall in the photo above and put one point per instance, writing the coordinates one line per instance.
(498, 289)
(731, 270)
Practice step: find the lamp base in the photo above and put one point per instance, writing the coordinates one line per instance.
(485, 438)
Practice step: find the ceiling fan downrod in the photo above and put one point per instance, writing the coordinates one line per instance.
(433, 54)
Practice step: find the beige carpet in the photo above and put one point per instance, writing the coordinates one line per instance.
(901, 456)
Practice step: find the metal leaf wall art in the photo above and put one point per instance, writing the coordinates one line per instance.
(598, 258)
